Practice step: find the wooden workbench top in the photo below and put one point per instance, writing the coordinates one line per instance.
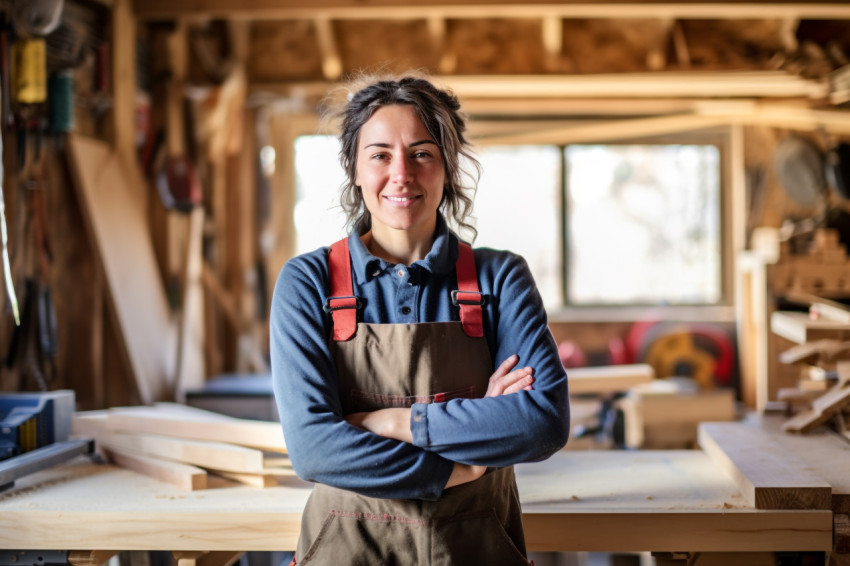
(576, 500)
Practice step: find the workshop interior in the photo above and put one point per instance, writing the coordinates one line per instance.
(675, 173)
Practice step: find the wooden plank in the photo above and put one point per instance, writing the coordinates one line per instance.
(124, 83)
(826, 454)
(89, 423)
(398, 9)
(606, 500)
(608, 379)
(805, 421)
(182, 476)
(215, 455)
(768, 477)
(833, 400)
(823, 409)
(812, 352)
(116, 223)
(800, 328)
(256, 434)
(254, 480)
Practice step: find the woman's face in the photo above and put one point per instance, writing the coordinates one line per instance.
(400, 171)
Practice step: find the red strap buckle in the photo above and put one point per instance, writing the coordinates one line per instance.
(468, 297)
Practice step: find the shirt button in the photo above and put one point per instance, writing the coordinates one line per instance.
(405, 310)
(400, 273)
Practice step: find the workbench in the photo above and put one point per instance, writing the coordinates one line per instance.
(575, 501)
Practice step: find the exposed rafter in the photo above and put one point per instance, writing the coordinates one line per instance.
(763, 84)
(399, 9)
(331, 61)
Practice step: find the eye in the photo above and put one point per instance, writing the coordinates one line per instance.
(421, 154)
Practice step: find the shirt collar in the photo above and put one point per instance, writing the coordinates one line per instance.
(440, 259)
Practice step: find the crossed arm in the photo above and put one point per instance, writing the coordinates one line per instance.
(395, 423)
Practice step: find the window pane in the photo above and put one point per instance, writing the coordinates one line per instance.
(318, 218)
(517, 208)
(643, 224)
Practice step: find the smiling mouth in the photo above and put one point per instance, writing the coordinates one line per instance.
(402, 200)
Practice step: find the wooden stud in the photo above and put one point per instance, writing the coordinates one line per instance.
(680, 45)
(656, 56)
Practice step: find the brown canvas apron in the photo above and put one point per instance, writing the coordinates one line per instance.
(480, 522)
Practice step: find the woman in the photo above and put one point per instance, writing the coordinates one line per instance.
(383, 351)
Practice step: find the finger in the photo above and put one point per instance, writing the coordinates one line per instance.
(518, 376)
(524, 383)
(505, 367)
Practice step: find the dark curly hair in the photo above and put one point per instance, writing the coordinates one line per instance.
(440, 113)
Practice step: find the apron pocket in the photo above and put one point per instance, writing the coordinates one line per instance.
(475, 538)
(365, 539)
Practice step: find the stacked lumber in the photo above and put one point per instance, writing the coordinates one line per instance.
(822, 394)
(190, 448)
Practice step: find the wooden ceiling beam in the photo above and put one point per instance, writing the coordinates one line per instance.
(475, 9)
(802, 119)
(741, 84)
(639, 85)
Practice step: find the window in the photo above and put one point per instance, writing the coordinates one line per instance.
(643, 224)
(613, 224)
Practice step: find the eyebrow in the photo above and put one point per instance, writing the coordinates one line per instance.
(414, 144)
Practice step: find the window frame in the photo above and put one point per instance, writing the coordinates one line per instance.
(725, 139)
(728, 140)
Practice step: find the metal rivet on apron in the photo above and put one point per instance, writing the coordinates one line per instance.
(405, 310)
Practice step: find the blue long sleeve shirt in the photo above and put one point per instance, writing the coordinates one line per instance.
(494, 431)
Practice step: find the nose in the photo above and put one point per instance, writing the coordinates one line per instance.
(401, 172)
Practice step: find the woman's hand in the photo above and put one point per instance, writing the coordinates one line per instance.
(389, 423)
(506, 380)
(463, 473)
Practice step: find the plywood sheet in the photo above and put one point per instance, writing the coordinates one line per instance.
(116, 222)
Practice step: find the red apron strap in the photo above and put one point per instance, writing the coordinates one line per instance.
(468, 297)
(342, 304)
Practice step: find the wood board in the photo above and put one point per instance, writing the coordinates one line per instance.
(147, 420)
(608, 379)
(204, 454)
(766, 474)
(115, 220)
(798, 327)
(182, 476)
(825, 453)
